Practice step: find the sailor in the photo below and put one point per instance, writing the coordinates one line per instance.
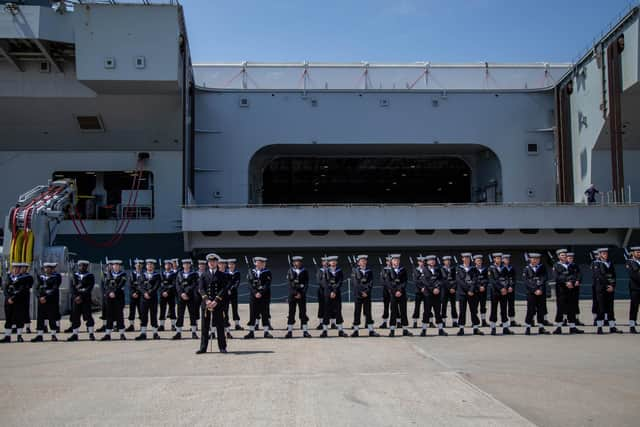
(604, 279)
(431, 288)
(320, 276)
(362, 278)
(259, 296)
(449, 286)
(499, 283)
(202, 267)
(149, 302)
(397, 285)
(103, 314)
(186, 288)
(511, 288)
(483, 287)
(222, 266)
(48, 291)
(467, 294)
(135, 282)
(565, 289)
(576, 274)
(113, 294)
(595, 261)
(27, 302)
(168, 296)
(333, 297)
(298, 278)
(234, 284)
(633, 266)
(213, 287)
(418, 278)
(386, 297)
(535, 280)
(16, 290)
(81, 288)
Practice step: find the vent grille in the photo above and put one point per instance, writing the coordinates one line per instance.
(90, 123)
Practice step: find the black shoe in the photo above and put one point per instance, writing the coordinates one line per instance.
(392, 333)
(493, 331)
(484, 324)
(515, 324)
(268, 335)
(68, 330)
(507, 331)
(102, 328)
(177, 336)
(223, 350)
(460, 332)
(614, 330)
(289, 335)
(557, 331)
(72, 338)
(373, 334)
(423, 333)
(250, 335)
(37, 338)
(6, 339)
(355, 334)
(201, 351)
(229, 336)
(54, 338)
(575, 331)
(306, 334)
(542, 331)
(92, 337)
(415, 325)
(106, 338)
(546, 323)
(319, 327)
(20, 339)
(194, 336)
(130, 328)
(442, 333)
(632, 330)
(383, 325)
(406, 333)
(324, 334)
(527, 331)
(141, 337)
(334, 326)
(454, 325)
(123, 337)
(239, 328)
(156, 336)
(161, 328)
(599, 331)
(342, 334)
(477, 332)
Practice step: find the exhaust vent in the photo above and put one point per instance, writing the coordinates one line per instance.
(90, 123)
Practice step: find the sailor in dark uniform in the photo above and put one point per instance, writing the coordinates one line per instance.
(186, 288)
(397, 285)
(577, 275)
(135, 281)
(362, 278)
(633, 266)
(418, 278)
(151, 281)
(333, 297)
(298, 279)
(467, 294)
(222, 266)
(168, 296)
(604, 279)
(449, 288)
(113, 295)
(535, 279)
(499, 283)
(213, 286)
(483, 287)
(202, 267)
(234, 284)
(48, 292)
(512, 281)
(386, 297)
(16, 290)
(82, 285)
(431, 287)
(565, 288)
(259, 296)
(103, 314)
(594, 300)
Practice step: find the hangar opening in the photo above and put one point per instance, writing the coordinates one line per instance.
(417, 173)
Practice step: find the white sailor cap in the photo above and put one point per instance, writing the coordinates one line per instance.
(296, 258)
(430, 257)
(202, 261)
(446, 258)
(19, 264)
(138, 261)
(231, 260)
(359, 257)
(174, 260)
(212, 256)
(496, 254)
(394, 256)
(561, 251)
(150, 261)
(421, 258)
(465, 254)
(83, 262)
(534, 255)
(259, 258)
(600, 250)
(167, 261)
(478, 256)
(332, 258)
(222, 261)
(115, 261)
(50, 264)
(323, 259)
(187, 261)
(634, 248)
(571, 254)
(506, 256)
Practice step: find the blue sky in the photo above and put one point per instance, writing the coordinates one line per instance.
(396, 30)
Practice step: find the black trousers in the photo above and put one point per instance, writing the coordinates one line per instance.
(134, 305)
(635, 303)
(502, 301)
(332, 309)
(27, 308)
(192, 306)
(301, 305)
(432, 303)
(115, 312)
(482, 301)
(465, 301)
(168, 302)
(605, 305)
(14, 314)
(259, 307)
(81, 309)
(594, 300)
(416, 305)
(535, 308)
(565, 305)
(233, 303)
(320, 303)
(362, 305)
(217, 318)
(398, 309)
(576, 300)
(149, 308)
(386, 300)
(511, 303)
(47, 312)
(448, 298)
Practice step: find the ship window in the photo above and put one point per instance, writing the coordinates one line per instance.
(112, 195)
